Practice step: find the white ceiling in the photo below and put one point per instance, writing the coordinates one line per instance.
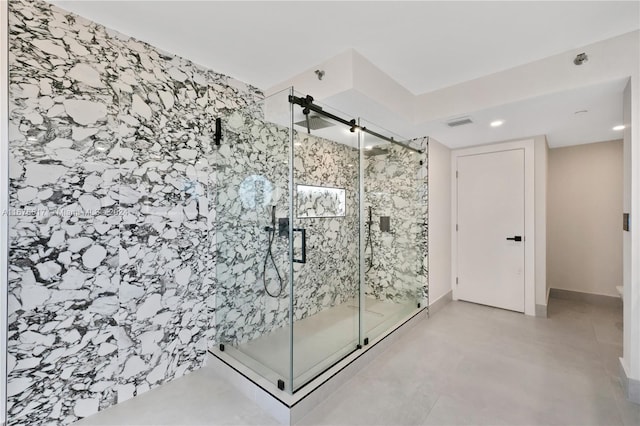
(551, 115)
(422, 45)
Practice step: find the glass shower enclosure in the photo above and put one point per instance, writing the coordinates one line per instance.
(320, 236)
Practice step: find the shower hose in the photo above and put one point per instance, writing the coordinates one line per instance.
(369, 243)
(269, 256)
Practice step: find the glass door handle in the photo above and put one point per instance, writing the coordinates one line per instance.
(303, 233)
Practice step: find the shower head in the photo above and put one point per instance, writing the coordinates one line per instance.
(315, 123)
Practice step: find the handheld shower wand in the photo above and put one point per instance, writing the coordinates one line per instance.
(271, 236)
(369, 243)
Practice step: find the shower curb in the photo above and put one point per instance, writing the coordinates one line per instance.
(289, 409)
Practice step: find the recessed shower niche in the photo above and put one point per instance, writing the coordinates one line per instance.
(306, 275)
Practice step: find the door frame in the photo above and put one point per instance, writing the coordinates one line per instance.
(529, 213)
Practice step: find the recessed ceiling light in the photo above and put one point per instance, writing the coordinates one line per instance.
(497, 123)
(620, 127)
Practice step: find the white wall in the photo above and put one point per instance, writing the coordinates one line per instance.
(541, 188)
(585, 218)
(439, 220)
(626, 208)
(4, 200)
(631, 240)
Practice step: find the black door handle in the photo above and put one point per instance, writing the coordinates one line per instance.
(516, 238)
(304, 245)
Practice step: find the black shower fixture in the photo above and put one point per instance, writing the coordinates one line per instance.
(307, 106)
(369, 242)
(271, 235)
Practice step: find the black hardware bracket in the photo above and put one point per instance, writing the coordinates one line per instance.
(307, 106)
(280, 384)
(303, 233)
(217, 136)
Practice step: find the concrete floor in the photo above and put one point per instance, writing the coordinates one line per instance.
(468, 364)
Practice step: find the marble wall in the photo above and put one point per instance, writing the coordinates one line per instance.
(111, 251)
(135, 243)
(331, 274)
(253, 177)
(253, 174)
(395, 185)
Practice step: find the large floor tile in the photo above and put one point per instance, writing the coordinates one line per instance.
(451, 411)
(367, 401)
(200, 398)
(467, 365)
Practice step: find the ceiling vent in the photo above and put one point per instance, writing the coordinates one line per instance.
(459, 122)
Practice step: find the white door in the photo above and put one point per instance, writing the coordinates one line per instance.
(490, 219)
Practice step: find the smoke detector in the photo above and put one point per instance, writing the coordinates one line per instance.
(581, 58)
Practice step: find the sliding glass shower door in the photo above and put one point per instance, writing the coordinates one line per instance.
(320, 237)
(394, 213)
(252, 253)
(325, 262)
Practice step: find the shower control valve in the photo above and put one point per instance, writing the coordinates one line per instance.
(283, 227)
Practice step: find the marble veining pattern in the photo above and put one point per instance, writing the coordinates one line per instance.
(395, 185)
(330, 276)
(111, 284)
(252, 172)
(135, 243)
(253, 177)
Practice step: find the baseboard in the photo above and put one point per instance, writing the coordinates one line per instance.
(596, 299)
(541, 311)
(631, 387)
(440, 302)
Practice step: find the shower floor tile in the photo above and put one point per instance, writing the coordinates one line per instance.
(320, 340)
